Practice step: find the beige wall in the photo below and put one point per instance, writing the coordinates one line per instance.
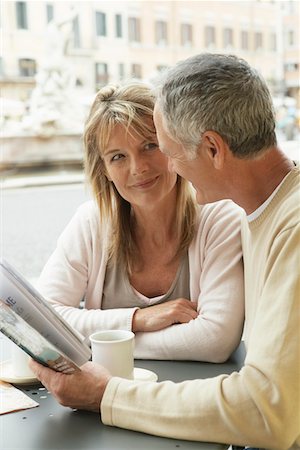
(264, 17)
(291, 48)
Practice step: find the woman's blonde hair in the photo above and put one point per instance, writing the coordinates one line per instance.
(128, 105)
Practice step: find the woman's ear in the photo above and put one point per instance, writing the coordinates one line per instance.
(105, 171)
(215, 147)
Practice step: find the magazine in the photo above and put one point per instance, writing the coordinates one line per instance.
(35, 326)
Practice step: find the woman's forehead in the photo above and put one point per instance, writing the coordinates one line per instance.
(132, 134)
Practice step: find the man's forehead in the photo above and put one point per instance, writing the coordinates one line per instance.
(168, 146)
(157, 115)
(161, 128)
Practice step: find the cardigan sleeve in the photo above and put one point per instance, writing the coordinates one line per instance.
(216, 283)
(75, 271)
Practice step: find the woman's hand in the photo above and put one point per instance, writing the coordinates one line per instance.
(82, 390)
(161, 316)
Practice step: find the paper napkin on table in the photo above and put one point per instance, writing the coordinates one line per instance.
(12, 399)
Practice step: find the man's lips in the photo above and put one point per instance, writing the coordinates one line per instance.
(145, 183)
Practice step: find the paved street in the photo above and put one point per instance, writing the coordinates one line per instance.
(32, 219)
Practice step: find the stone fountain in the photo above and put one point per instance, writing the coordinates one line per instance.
(50, 131)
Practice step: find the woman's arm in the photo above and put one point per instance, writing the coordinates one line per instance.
(216, 273)
(76, 270)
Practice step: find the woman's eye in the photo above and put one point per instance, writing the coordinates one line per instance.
(117, 157)
(151, 146)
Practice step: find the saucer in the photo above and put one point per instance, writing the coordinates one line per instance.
(7, 374)
(144, 375)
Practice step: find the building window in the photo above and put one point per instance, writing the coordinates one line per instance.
(291, 38)
(21, 10)
(118, 24)
(136, 71)
(100, 24)
(161, 32)
(134, 29)
(244, 40)
(121, 70)
(76, 32)
(101, 74)
(209, 36)
(291, 67)
(27, 67)
(273, 42)
(186, 34)
(161, 68)
(227, 37)
(50, 12)
(258, 41)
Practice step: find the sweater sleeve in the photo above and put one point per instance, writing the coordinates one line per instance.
(75, 271)
(216, 274)
(258, 406)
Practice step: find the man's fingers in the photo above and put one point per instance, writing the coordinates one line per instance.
(35, 367)
(44, 374)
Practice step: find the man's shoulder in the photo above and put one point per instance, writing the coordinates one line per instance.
(283, 211)
(287, 200)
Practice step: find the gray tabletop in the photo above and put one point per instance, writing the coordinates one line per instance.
(51, 426)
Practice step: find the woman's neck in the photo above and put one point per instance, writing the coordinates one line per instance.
(156, 224)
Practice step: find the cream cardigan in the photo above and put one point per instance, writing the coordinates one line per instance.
(76, 270)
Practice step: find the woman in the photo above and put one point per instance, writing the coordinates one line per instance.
(144, 256)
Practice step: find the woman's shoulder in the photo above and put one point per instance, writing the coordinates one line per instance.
(87, 214)
(88, 208)
(223, 208)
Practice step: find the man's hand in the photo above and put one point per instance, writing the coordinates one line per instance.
(164, 315)
(82, 390)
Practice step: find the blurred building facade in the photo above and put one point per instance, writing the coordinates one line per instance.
(117, 40)
(291, 49)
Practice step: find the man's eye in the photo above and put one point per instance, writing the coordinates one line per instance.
(151, 146)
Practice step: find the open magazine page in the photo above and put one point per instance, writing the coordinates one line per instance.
(35, 296)
(19, 295)
(30, 340)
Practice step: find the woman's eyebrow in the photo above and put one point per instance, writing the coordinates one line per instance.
(113, 150)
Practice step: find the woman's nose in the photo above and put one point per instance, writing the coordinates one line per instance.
(138, 165)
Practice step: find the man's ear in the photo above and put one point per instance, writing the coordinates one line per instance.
(215, 147)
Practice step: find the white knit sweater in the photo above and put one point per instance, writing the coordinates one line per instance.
(76, 270)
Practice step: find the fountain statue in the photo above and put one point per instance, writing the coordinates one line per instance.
(51, 127)
(53, 107)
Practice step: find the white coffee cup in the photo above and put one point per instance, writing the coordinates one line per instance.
(19, 362)
(113, 349)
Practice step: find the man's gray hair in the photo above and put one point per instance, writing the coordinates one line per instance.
(220, 93)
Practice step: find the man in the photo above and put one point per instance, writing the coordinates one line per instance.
(215, 122)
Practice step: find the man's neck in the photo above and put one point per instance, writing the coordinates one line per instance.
(257, 179)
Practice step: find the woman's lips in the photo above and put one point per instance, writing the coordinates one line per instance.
(146, 183)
